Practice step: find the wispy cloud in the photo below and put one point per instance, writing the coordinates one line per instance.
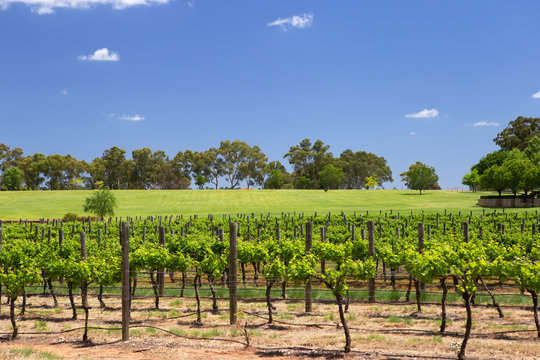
(43, 7)
(64, 91)
(536, 95)
(424, 114)
(485, 123)
(101, 55)
(136, 117)
(296, 21)
(190, 4)
(412, 133)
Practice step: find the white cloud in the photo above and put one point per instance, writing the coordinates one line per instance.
(136, 117)
(296, 21)
(190, 4)
(43, 7)
(64, 91)
(412, 133)
(424, 114)
(536, 95)
(101, 55)
(485, 123)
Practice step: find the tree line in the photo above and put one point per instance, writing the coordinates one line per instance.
(515, 166)
(231, 165)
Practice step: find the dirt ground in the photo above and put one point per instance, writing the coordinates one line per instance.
(379, 331)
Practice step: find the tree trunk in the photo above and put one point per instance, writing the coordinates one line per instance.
(495, 303)
(443, 304)
(393, 278)
(535, 309)
(72, 301)
(52, 292)
(195, 285)
(283, 288)
(269, 300)
(183, 284)
(255, 274)
(100, 297)
(23, 310)
(418, 294)
(213, 291)
(155, 288)
(468, 325)
(134, 287)
(242, 266)
(339, 300)
(12, 318)
(408, 294)
(84, 298)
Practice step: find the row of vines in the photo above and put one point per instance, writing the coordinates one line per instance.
(457, 252)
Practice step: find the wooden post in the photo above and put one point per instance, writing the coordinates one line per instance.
(161, 272)
(126, 283)
(83, 245)
(323, 239)
(233, 297)
(309, 243)
(465, 226)
(371, 241)
(278, 233)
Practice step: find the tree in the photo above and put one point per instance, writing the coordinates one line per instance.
(308, 160)
(253, 168)
(491, 159)
(495, 178)
(34, 168)
(472, 180)
(420, 177)
(114, 167)
(371, 182)
(274, 180)
(200, 180)
(12, 178)
(330, 177)
(360, 165)
(101, 203)
(518, 133)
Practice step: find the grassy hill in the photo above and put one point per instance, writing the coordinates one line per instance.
(54, 204)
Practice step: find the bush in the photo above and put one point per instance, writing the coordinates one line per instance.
(70, 217)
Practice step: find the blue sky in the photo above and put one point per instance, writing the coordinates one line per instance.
(407, 80)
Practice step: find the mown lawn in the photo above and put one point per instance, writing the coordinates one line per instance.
(54, 204)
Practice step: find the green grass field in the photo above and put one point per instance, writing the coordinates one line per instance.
(54, 204)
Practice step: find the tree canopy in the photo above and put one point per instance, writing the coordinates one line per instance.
(420, 177)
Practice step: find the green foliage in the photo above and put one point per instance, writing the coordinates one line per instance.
(371, 182)
(420, 177)
(303, 182)
(518, 133)
(472, 180)
(330, 177)
(101, 203)
(200, 180)
(70, 217)
(12, 179)
(274, 180)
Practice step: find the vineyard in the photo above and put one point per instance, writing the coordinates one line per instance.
(373, 285)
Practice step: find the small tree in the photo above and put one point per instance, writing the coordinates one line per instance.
(472, 180)
(12, 179)
(495, 178)
(371, 182)
(101, 203)
(330, 177)
(420, 177)
(200, 180)
(274, 180)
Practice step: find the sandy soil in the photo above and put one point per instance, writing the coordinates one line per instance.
(379, 331)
